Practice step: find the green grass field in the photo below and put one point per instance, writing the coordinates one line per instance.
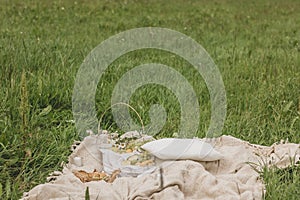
(255, 44)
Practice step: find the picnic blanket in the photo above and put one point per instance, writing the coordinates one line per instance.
(235, 176)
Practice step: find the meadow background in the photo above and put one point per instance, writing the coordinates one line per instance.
(255, 44)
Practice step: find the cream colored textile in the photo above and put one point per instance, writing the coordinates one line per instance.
(232, 177)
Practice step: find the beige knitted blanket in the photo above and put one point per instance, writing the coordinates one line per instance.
(235, 176)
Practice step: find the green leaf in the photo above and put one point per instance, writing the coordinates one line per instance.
(87, 194)
(46, 110)
(1, 189)
(12, 161)
(7, 189)
(288, 106)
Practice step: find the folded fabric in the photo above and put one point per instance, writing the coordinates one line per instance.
(235, 176)
(182, 149)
